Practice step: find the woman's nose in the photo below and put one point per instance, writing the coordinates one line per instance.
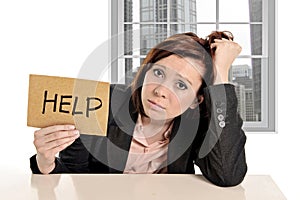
(161, 91)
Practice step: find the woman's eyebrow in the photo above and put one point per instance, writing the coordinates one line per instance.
(160, 66)
(164, 67)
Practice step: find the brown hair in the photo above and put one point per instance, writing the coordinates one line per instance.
(183, 45)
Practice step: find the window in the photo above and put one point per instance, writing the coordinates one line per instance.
(142, 24)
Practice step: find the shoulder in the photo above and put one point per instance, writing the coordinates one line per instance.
(119, 87)
(119, 93)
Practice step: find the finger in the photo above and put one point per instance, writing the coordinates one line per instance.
(216, 43)
(225, 39)
(42, 144)
(56, 149)
(220, 41)
(62, 146)
(55, 128)
(56, 143)
(60, 134)
(213, 45)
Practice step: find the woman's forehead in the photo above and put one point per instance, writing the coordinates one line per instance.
(183, 65)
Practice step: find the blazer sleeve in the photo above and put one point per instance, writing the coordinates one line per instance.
(221, 157)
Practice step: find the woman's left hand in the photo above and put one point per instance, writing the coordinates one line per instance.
(225, 53)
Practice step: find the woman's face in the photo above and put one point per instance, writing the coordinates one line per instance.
(170, 87)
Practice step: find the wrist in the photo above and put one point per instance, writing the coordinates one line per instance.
(221, 78)
(45, 165)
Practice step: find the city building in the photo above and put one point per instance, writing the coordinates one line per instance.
(241, 76)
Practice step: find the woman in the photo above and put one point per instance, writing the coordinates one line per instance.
(179, 111)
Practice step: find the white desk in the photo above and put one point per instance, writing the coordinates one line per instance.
(132, 187)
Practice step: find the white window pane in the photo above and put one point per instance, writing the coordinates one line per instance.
(204, 30)
(206, 10)
(234, 11)
(136, 34)
(243, 61)
(131, 10)
(241, 33)
(136, 10)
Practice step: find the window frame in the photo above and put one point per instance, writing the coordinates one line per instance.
(269, 74)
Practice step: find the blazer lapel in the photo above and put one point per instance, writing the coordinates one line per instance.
(181, 140)
(120, 129)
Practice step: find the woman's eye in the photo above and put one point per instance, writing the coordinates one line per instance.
(159, 73)
(181, 86)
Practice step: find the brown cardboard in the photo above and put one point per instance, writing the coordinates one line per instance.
(84, 103)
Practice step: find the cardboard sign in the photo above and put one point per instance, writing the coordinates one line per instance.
(58, 100)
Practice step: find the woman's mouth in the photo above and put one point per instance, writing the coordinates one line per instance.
(155, 106)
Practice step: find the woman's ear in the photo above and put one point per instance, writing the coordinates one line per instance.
(197, 101)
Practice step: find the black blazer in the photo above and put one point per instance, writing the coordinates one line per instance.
(215, 143)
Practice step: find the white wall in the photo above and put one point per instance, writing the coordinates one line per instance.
(55, 37)
(40, 37)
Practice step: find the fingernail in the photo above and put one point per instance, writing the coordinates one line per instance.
(72, 127)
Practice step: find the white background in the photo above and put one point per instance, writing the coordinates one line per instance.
(55, 37)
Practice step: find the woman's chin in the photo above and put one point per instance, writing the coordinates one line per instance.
(154, 115)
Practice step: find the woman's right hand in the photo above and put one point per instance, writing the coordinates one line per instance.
(51, 140)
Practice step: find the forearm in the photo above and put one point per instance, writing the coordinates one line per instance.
(226, 51)
(224, 161)
(221, 76)
(225, 165)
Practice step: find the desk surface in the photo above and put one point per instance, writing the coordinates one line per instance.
(131, 187)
